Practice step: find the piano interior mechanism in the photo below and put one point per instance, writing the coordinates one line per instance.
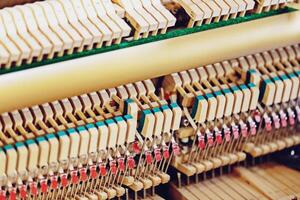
(149, 99)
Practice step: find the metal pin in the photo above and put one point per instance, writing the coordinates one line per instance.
(135, 195)
(204, 176)
(144, 193)
(187, 180)
(179, 179)
(153, 191)
(126, 194)
(197, 178)
(213, 173)
(221, 171)
(229, 168)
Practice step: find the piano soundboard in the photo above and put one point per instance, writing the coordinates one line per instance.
(149, 99)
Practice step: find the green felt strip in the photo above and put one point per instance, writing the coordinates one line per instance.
(168, 35)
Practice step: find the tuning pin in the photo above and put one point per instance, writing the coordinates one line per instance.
(283, 118)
